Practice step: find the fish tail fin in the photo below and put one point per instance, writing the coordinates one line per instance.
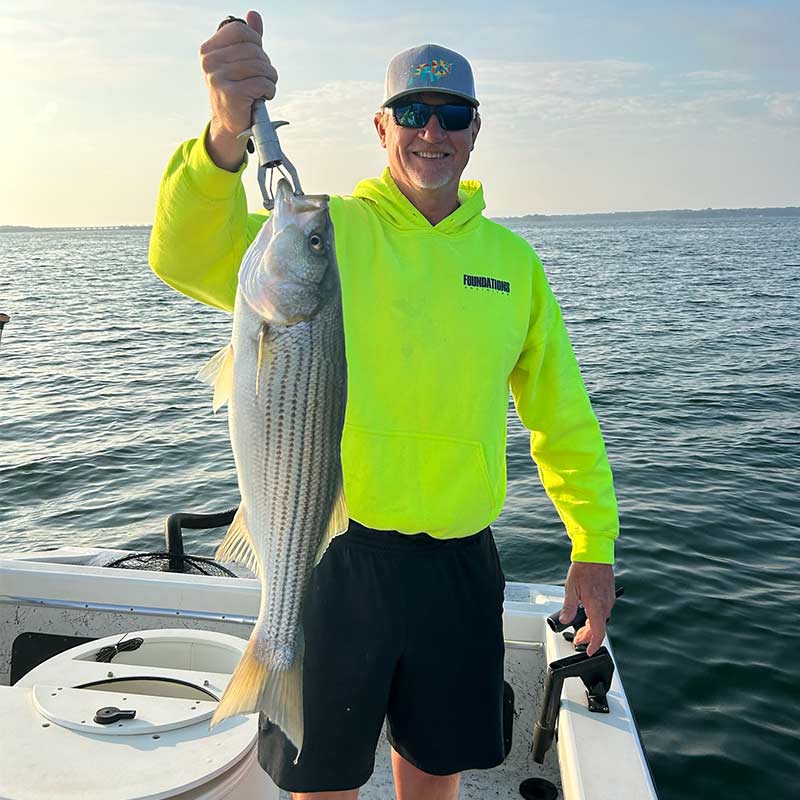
(272, 688)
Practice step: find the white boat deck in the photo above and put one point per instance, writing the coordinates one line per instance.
(595, 757)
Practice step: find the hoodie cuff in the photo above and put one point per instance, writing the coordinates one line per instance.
(594, 549)
(210, 180)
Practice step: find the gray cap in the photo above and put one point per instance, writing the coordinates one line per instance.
(429, 68)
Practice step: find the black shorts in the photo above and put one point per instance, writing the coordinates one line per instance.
(407, 628)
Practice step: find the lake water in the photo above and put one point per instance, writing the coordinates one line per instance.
(687, 334)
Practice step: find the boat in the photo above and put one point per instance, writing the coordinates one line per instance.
(109, 675)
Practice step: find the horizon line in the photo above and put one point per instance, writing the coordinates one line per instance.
(517, 217)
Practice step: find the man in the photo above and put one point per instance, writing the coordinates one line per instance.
(443, 310)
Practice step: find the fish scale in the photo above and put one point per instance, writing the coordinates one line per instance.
(295, 375)
(295, 410)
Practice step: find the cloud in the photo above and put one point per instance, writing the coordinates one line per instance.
(114, 85)
(48, 111)
(564, 77)
(78, 59)
(628, 98)
(752, 35)
(784, 106)
(330, 113)
(550, 100)
(96, 43)
(717, 76)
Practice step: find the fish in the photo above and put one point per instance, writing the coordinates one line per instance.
(284, 378)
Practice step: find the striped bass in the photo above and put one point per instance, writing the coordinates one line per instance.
(284, 377)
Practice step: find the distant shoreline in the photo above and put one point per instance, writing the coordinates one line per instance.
(24, 228)
(675, 214)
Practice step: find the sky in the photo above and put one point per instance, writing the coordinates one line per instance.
(586, 106)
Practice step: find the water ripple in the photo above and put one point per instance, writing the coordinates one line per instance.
(687, 337)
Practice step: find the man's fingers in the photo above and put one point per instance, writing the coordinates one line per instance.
(234, 52)
(596, 613)
(596, 623)
(592, 637)
(598, 609)
(241, 70)
(227, 35)
(583, 635)
(568, 612)
(251, 88)
(596, 639)
(593, 585)
(570, 607)
(254, 21)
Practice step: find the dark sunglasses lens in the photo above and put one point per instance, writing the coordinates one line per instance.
(454, 118)
(412, 115)
(416, 115)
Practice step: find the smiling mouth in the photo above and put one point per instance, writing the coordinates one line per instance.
(430, 156)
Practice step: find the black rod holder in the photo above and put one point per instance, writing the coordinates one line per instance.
(173, 531)
(595, 671)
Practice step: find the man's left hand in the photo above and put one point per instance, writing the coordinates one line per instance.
(593, 586)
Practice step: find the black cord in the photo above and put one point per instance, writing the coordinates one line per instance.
(108, 653)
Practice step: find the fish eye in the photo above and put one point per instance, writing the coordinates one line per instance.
(316, 243)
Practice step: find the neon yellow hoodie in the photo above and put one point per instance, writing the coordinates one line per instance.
(439, 320)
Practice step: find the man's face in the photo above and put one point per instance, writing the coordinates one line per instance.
(430, 157)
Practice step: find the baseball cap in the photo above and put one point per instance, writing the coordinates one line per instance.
(429, 68)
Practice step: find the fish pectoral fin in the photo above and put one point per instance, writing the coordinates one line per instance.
(218, 372)
(262, 353)
(338, 523)
(238, 545)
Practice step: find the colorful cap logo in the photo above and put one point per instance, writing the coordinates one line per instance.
(429, 68)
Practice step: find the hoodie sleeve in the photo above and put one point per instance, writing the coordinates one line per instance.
(202, 227)
(566, 442)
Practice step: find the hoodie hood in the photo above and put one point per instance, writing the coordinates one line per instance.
(394, 207)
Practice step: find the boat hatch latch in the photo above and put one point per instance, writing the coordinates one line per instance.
(110, 714)
(595, 671)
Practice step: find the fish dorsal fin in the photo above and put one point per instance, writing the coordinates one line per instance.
(238, 545)
(338, 523)
(218, 372)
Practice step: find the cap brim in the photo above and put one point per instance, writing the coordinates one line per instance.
(430, 90)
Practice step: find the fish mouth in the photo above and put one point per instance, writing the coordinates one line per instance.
(289, 203)
(283, 197)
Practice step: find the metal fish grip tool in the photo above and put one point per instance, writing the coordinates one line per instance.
(269, 153)
(267, 146)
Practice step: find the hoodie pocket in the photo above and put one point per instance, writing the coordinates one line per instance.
(415, 482)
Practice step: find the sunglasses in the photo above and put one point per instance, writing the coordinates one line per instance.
(451, 117)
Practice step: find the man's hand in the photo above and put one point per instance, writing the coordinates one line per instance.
(593, 586)
(237, 72)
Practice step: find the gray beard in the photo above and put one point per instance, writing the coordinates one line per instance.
(430, 182)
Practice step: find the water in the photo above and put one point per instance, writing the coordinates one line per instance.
(687, 336)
